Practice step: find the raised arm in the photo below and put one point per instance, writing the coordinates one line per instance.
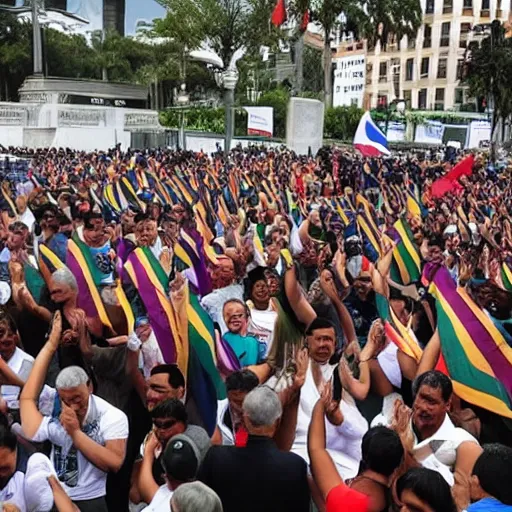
(31, 418)
(302, 308)
(322, 466)
(8, 377)
(147, 485)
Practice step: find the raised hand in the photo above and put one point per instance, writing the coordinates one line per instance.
(401, 424)
(68, 419)
(301, 365)
(331, 407)
(56, 330)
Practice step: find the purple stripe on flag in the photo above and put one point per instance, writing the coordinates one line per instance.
(157, 316)
(84, 299)
(479, 334)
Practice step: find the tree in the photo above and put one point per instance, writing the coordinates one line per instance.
(488, 72)
(373, 19)
(15, 55)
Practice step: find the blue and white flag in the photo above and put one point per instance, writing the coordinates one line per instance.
(369, 140)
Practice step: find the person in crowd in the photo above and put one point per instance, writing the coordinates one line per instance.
(382, 455)
(169, 418)
(181, 461)
(194, 496)
(246, 347)
(486, 489)
(434, 441)
(230, 428)
(424, 490)
(88, 437)
(281, 478)
(18, 361)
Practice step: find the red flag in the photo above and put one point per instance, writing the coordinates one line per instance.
(449, 183)
(305, 21)
(279, 13)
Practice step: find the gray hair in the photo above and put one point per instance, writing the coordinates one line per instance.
(262, 407)
(71, 377)
(65, 276)
(195, 497)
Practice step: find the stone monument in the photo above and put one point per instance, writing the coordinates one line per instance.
(79, 114)
(304, 125)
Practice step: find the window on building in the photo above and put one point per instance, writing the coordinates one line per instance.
(427, 36)
(486, 5)
(445, 34)
(425, 61)
(459, 96)
(409, 70)
(429, 8)
(422, 99)
(439, 102)
(447, 6)
(441, 68)
(383, 71)
(465, 29)
(408, 99)
(468, 4)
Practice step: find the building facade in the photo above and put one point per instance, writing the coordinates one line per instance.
(426, 71)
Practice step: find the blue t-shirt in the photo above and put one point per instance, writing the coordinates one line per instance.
(247, 348)
(489, 505)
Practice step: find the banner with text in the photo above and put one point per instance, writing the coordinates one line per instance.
(260, 121)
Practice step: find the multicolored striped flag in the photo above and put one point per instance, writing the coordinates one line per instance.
(398, 333)
(152, 284)
(406, 265)
(477, 356)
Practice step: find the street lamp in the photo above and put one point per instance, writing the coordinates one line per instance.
(182, 100)
(227, 80)
(399, 106)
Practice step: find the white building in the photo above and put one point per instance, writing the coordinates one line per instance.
(427, 69)
(349, 80)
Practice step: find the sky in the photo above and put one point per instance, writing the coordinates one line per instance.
(92, 10)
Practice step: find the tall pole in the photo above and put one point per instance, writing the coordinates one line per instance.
(36, 43)
(229, 80)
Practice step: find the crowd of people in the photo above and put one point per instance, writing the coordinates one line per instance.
(255, 332)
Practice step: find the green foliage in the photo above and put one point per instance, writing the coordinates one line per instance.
(341, 122)
(313, 72)
(489, 71)
(278, 99)
(227, 25)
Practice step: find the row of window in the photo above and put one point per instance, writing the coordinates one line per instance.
(444, 41)
(448, 6)
(439, 98)
(442, 67)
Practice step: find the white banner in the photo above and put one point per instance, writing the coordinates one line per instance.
(431, 132)
(260, 121)
(479, 131)
(349, 81)
(396, 132)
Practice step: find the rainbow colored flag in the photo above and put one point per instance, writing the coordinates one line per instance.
(151, 282)
(205, 384)
(397, 332)
(189, 251)
(81, 263)
(476, 354)
(406, 265)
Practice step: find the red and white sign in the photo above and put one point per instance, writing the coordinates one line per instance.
(260, 121)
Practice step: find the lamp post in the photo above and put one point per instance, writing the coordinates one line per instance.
(37, 46)
(228, 80)
(399, 105)
(182, 100)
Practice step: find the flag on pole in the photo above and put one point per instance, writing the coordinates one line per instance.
(279, 13)
(369, 140)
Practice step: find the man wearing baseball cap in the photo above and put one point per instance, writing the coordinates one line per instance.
(181, 460)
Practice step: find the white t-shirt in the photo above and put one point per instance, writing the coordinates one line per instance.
(81, 479)
(13, 492)
(21, 364)
(161, 502)
(214, 302)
